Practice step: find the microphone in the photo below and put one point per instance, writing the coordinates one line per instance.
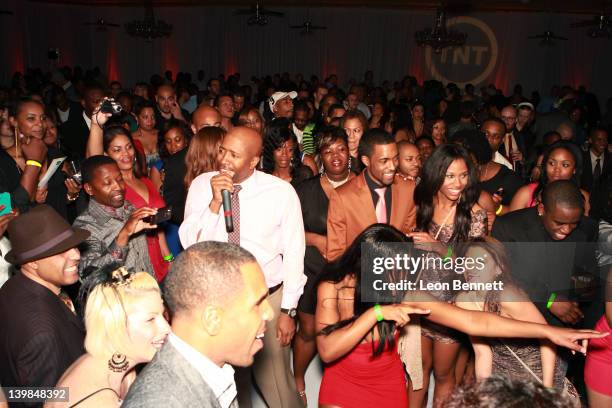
(227, 210)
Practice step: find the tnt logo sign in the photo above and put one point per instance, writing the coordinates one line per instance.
(472, 63)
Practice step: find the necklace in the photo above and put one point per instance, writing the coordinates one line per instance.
(336, 184)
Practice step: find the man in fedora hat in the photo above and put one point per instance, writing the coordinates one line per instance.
(40, 335)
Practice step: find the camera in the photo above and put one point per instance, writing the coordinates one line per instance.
(110, 106)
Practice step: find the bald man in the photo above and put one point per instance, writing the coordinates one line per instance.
(513, 145)
(175, 193)
(267, 222)
(205, 116)
(167, 107)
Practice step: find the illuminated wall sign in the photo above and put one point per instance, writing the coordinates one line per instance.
(472, 63)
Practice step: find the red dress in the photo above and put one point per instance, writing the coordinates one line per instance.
(160, 267)
(598, 365)
(360, 380)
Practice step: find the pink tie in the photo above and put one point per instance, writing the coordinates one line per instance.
(381, 205)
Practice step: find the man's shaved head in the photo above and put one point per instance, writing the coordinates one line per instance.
(205, 116)
(240, 152)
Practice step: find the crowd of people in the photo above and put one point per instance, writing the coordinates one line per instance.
(185, 241)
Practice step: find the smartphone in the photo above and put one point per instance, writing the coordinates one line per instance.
(163, 214)
(5, 200)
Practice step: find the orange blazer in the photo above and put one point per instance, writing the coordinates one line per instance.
(351, 211)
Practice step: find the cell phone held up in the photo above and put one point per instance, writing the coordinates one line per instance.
(163, 215)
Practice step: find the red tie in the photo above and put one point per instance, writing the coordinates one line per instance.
(234, 236)
(381, 205)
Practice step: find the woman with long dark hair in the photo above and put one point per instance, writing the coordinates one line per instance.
(147, 134)
(561, 161)
(447, 214)
(357, 339)
(281, 154)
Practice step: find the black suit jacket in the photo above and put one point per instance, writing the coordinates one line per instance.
(541, 265)
(39, 336)
(74, 133)
(586, 180)
(174, 190)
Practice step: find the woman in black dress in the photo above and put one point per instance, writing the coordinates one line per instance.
(333, 153)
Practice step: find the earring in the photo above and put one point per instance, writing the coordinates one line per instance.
(349, 164)
(118, 363)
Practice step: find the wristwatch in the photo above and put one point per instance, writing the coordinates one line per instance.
(289, 312)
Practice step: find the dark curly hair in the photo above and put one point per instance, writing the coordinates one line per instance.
(277, 134)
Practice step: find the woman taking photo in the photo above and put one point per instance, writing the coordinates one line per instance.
(116, 142)
(447, 214)
(314, 199)
(125, 327)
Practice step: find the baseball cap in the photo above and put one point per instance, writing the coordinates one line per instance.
(277, 96)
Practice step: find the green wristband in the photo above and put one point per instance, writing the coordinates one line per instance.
(169, 258)
(449, 253)
(378, 313)
(551, 300)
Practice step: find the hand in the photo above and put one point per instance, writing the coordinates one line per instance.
(100, 118)
(567, 312)
(175, 110)
(72, 186)
(497, 198)
(285, 329)
(516, 156)
(41, 195)
(5, 219)
(568, 338)
(425, 242)
(400, 313)
(222, 181)
(33, 149)
(135, 224)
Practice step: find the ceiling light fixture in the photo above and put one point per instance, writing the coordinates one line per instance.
(149, 28)
(440, 36)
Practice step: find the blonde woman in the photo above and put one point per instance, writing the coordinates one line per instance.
(125, 327)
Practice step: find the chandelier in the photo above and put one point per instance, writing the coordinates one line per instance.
(149, 28)
(440, 37)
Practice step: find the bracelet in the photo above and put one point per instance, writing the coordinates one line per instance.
(449, 253)
(33, 163)
(378, 312)
(499, 210)
(551, 300)
(70, 199)
(169, 258)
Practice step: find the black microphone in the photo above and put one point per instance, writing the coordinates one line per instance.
(227, 210)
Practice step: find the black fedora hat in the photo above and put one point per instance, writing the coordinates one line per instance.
(40, 233)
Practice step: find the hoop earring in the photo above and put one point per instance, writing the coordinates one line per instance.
(118, 363)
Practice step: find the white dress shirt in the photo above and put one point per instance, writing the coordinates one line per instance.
(87, 120)
(63, 115)
(219, 379)
(271, 228)
(500, 159)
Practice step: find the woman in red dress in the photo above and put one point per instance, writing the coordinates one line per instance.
(139, 191)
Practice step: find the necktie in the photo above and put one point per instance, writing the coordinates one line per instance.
(597, 170)
(381, 205)
(234, 236)
(67, 301)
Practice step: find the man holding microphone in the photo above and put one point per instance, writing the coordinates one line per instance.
(267, 221)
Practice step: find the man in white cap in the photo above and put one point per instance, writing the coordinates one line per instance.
(281, 104)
